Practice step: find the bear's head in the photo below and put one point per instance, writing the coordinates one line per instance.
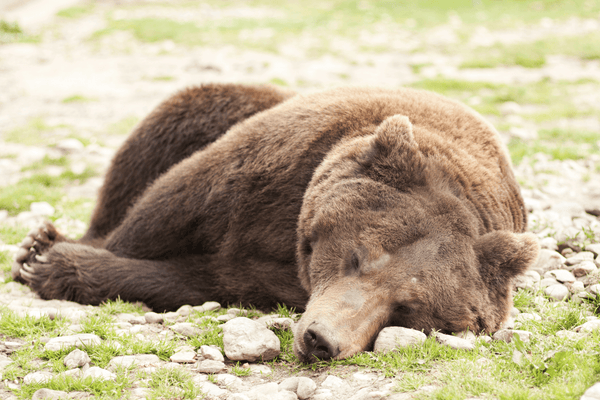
(385, 238)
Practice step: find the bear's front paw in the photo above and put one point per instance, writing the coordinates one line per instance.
(36, 243)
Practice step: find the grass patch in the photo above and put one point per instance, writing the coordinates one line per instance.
(533, 55)
(77, 98)
(12, 325)
(578, 136)
(520, 149)
(45, 162)
(11, 32)
(77, 11)
(164, 380)
(12, 234)
(123, 126)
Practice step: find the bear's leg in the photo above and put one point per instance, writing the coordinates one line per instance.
(180, 126)
(88, 275)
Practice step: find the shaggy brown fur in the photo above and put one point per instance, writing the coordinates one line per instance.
(368, 207)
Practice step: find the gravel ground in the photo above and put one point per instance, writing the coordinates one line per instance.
(124, 80)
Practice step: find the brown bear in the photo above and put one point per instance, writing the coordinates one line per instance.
(364, 207)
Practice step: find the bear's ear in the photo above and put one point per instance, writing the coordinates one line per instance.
(394, 157)
(502, 255)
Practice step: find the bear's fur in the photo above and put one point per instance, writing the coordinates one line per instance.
(366, 207)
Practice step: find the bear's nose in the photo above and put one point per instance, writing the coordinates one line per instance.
(318, 343)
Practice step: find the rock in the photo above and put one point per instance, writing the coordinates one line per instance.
(468, 335)
(303, 387)
(558, 292)
(527, 317)
(454, 342)
(589, 326)
(37, 377)
(544, 283)
(138, 360)
(561, 275)
(549, 243)
(258, 369)
(593, 248)
(4, 362)
(506, 335)
(334, 383)
(211, 366)
(140, 393)
(568, 334)
(153, 318)
(171, 316)
(41, 208)
(208, 306)
(211, 353)
(584, 268)
(48, 394)
(580, 257)
(548, 260)
(231, 381)
(79, 340)
(394, 336)
(593, 393)
(184, 357)
(76, 358)
(237, 312)
(280, 323)
(186, 329)
(264, 391)
(211, 390)
(97, 373)
(70, 145)
(225, 317)
(244, 339)
(576, 287)
(594, 289)
(185, 310)
(514, 312)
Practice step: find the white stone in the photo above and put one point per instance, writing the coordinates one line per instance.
(211, 366)
(210, 389)
(394, 336)
(186, 329)
(37, 377)
(567, 334)
(580, 257)
(70, 145)
(76, 358)
(211, 353)
(79, 340)
(153, 318)
(561, 275)
(577, 287)
(548, 260)
(594, 289)
(41, 208)
(244, 339)
(184, 357)
(49, 394)
(454, 342)
(138, 360)
(333, 383)
(185, 310)
(544, 283)
(593, 393)
(584, 268)
(264, 391)
(593, 248)
(468, 335)
(527, 317)
(231, 381)
(259, 369)
(97, 373)
(558, 292)
(589, 326)
(208, 306)
(507, 335)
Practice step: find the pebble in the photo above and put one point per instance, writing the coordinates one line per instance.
(584, 268)
(37, 377)
(41, 208)
(97, 373)
(394, 336)
(557, 292)
(506, 335)
(153, 318)
(303, 387)
(210, 353)
(186, 329)
(593, 393)
(561, 275)
(208, 306)
(527, 317)
(454, 342)
(184, 357)
(590, 326)
(244, 339)
(139, 360)
(211, 366)
(580, 257)
(79, 340)
(76, 358)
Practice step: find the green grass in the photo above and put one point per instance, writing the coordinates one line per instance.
(164, 379)
(123, 126)
(11, 32)
(533, 55)
(77, 11)
(45, 162)
(77, 98)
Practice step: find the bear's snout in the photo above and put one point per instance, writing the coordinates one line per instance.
(320, 343)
